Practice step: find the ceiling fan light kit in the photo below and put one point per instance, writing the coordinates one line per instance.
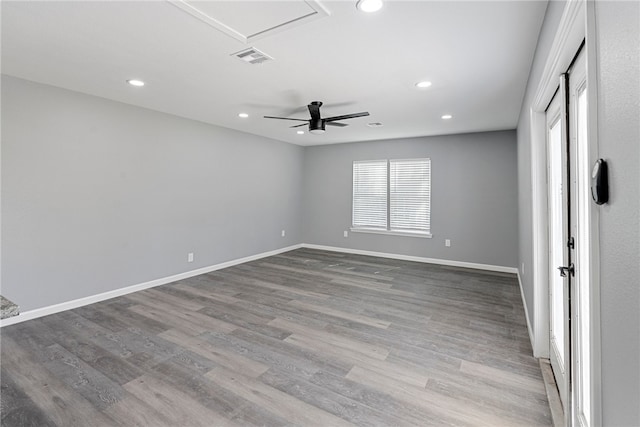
(316, 126)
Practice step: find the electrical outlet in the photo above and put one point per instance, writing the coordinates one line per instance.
(522, 269)
(283, 233)
(190, 257)
(346, 233)
(447, 242)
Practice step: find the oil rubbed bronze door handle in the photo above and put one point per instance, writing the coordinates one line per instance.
(564, 270)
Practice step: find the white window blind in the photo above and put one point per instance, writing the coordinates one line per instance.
(392, 195)
(410, 194)
(370, 194)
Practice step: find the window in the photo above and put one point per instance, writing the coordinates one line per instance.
(370, 194)
(392, 196)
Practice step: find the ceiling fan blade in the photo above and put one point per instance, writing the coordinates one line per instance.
(297, 126)
(346, 116)
(336, 124)
(314, 110)
(285, 118)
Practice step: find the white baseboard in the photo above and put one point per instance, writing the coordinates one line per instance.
(487, 267)
(526, 313)
(69, 305)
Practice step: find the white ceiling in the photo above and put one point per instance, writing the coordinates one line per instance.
(477, 54)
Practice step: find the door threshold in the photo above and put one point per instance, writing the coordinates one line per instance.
(555, 405)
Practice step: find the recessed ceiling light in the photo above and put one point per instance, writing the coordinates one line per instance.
(243, 115)
(300, 132)
(423, 84)
(374, 124)
(135, 82)
(447, 117)
(369, 5)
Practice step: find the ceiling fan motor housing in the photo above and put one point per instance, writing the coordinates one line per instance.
(316, 125)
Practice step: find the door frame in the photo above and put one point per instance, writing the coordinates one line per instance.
(577, 24)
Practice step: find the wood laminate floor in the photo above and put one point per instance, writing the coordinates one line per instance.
(303, 338)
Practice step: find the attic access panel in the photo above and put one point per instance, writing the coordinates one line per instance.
(248, 21)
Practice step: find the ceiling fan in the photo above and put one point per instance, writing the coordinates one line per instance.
(317, 123)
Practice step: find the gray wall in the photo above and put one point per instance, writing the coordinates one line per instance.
(473, 202)
(617, 29)
(618, 47)
(99, 195)
(525, 206)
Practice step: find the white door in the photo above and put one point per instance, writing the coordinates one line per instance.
(559, 255)
(570, 207)
(581, 207)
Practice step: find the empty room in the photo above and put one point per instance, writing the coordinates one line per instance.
(320, 213)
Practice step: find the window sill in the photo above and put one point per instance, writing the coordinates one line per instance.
(424, 235)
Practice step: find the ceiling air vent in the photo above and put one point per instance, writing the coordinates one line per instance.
(252, 56)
